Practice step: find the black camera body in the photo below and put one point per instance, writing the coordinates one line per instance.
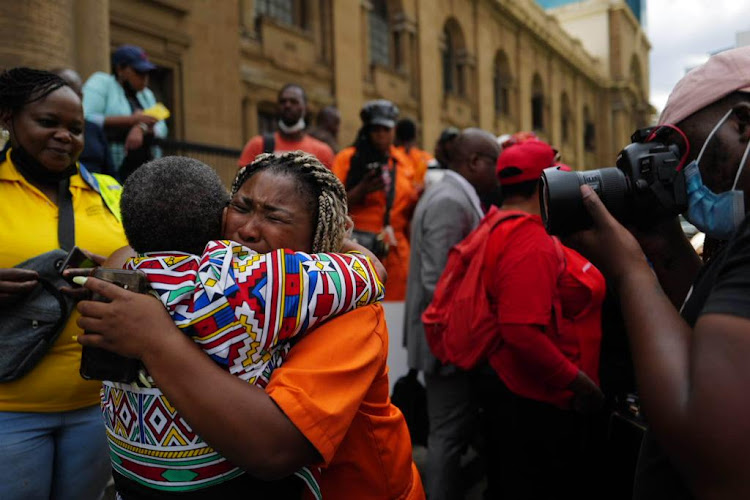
(645, 187)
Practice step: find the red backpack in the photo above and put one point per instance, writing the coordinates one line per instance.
(459, 323)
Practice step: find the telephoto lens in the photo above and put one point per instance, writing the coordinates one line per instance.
(561, 202)
(647, 186)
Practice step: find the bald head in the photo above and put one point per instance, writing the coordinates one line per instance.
(472, 141)
(474, 156)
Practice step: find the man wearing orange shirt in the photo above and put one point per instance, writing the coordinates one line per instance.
(291, 135)
(380, 192)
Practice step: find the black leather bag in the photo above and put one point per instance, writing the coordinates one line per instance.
(29, 327)
(410, 396)
(371, 241)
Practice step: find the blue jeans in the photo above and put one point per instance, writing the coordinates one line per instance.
(60, 456)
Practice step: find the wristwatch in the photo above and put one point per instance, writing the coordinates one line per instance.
(143, 126)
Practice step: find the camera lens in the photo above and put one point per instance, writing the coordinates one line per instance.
(561, 202)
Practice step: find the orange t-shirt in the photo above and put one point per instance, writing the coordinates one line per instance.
(369, 217)
(333, 386)
(419, 161)
(308, 144)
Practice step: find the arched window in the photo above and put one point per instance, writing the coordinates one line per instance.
(565, 117)
(537, 103)
(589, 131)
(380, 34)
(291, 12)
(501, 83)
(453, 51)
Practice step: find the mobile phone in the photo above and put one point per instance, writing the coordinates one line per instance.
(375, 166)
(76, 259)
(100, 364)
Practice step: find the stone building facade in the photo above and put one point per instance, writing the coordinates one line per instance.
(576, 74)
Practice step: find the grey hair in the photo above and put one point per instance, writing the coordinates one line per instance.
(173, 204)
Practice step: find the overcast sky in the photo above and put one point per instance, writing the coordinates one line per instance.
(684, 32)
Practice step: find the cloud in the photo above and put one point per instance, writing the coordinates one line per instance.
(683, 33)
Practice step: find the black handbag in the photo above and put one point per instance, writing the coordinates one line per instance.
(28, 328)
(410, 396)
(371, 241)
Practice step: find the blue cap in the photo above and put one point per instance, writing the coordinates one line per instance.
(135, 57)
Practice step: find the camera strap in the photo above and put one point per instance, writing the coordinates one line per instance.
(66, 231)
(390, 195)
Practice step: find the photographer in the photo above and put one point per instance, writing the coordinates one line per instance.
(692, 366)
(380, 193)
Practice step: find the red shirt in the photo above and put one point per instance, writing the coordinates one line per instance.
(308, 144)
(582, 289)
(521, 270)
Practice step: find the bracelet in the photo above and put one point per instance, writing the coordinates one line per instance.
(143, 126)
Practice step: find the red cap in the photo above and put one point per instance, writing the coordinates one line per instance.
(524, 162)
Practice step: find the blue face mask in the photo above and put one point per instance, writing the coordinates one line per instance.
(717, 215)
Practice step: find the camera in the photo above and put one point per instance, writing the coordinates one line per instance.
(645, 186)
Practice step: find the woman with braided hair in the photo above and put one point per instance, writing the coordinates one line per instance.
(52, 441)
(322, 189)
(327, 406)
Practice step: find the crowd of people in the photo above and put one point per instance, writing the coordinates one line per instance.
(262, 349)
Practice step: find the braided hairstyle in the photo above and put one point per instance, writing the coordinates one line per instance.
(21, 86)
(326, 194)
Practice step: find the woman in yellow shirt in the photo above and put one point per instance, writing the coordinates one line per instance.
(52, 441)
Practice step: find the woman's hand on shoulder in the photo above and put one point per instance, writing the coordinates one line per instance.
(16, 283)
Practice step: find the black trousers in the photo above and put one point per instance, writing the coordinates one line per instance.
(533, 450)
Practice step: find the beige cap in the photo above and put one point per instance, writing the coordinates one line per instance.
(722, 74)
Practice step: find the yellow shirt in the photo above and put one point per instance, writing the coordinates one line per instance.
(28, 227)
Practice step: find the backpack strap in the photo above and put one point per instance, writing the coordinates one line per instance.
(269, 143)
(390, 195)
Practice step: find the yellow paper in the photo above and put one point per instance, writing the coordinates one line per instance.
(158, 111)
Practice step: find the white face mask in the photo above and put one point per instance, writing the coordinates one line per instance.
(717, 215)
(293, 129)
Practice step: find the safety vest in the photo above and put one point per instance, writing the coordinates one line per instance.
(107, 187)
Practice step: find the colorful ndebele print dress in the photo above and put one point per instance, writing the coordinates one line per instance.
(242, 309)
